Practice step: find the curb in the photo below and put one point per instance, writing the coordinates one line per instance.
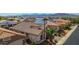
(63, 39)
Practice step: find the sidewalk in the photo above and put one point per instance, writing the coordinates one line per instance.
(63, 39)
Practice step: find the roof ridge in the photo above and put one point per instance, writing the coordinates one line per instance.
(10, 31)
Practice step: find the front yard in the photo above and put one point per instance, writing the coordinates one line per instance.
(68, 34)
(60, 37)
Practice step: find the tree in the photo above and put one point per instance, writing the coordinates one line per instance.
(65, 18)
(67, 27)
(18, 21)
(45, 21)
(12, 19)
(3, 18)
(50, 32)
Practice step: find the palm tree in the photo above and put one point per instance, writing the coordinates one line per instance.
(45, 21)
(50, 32)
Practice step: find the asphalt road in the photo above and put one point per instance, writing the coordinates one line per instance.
(74, 38)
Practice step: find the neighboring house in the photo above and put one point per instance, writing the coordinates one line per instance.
(57, 23)
(33, 31)
(52, 25)
(8, 36)
(29, 19)
(7, 22)
(61, 21)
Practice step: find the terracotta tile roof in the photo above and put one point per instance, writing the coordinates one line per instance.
(4, 33)
(52, 23)
(28, 27)
(61, 20)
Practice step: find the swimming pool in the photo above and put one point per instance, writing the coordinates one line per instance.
(39, 21)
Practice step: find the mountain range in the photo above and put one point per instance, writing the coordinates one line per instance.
(39, 14)
(50, 14)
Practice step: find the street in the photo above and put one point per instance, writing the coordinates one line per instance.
(74, 38)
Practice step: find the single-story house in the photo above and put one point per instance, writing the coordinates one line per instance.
(61, 21)
(52, 25)
(7, 22)
(33, 31)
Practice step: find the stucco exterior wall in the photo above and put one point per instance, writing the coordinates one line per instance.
(34, 38)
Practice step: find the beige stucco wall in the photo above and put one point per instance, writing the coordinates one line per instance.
(34, 38)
